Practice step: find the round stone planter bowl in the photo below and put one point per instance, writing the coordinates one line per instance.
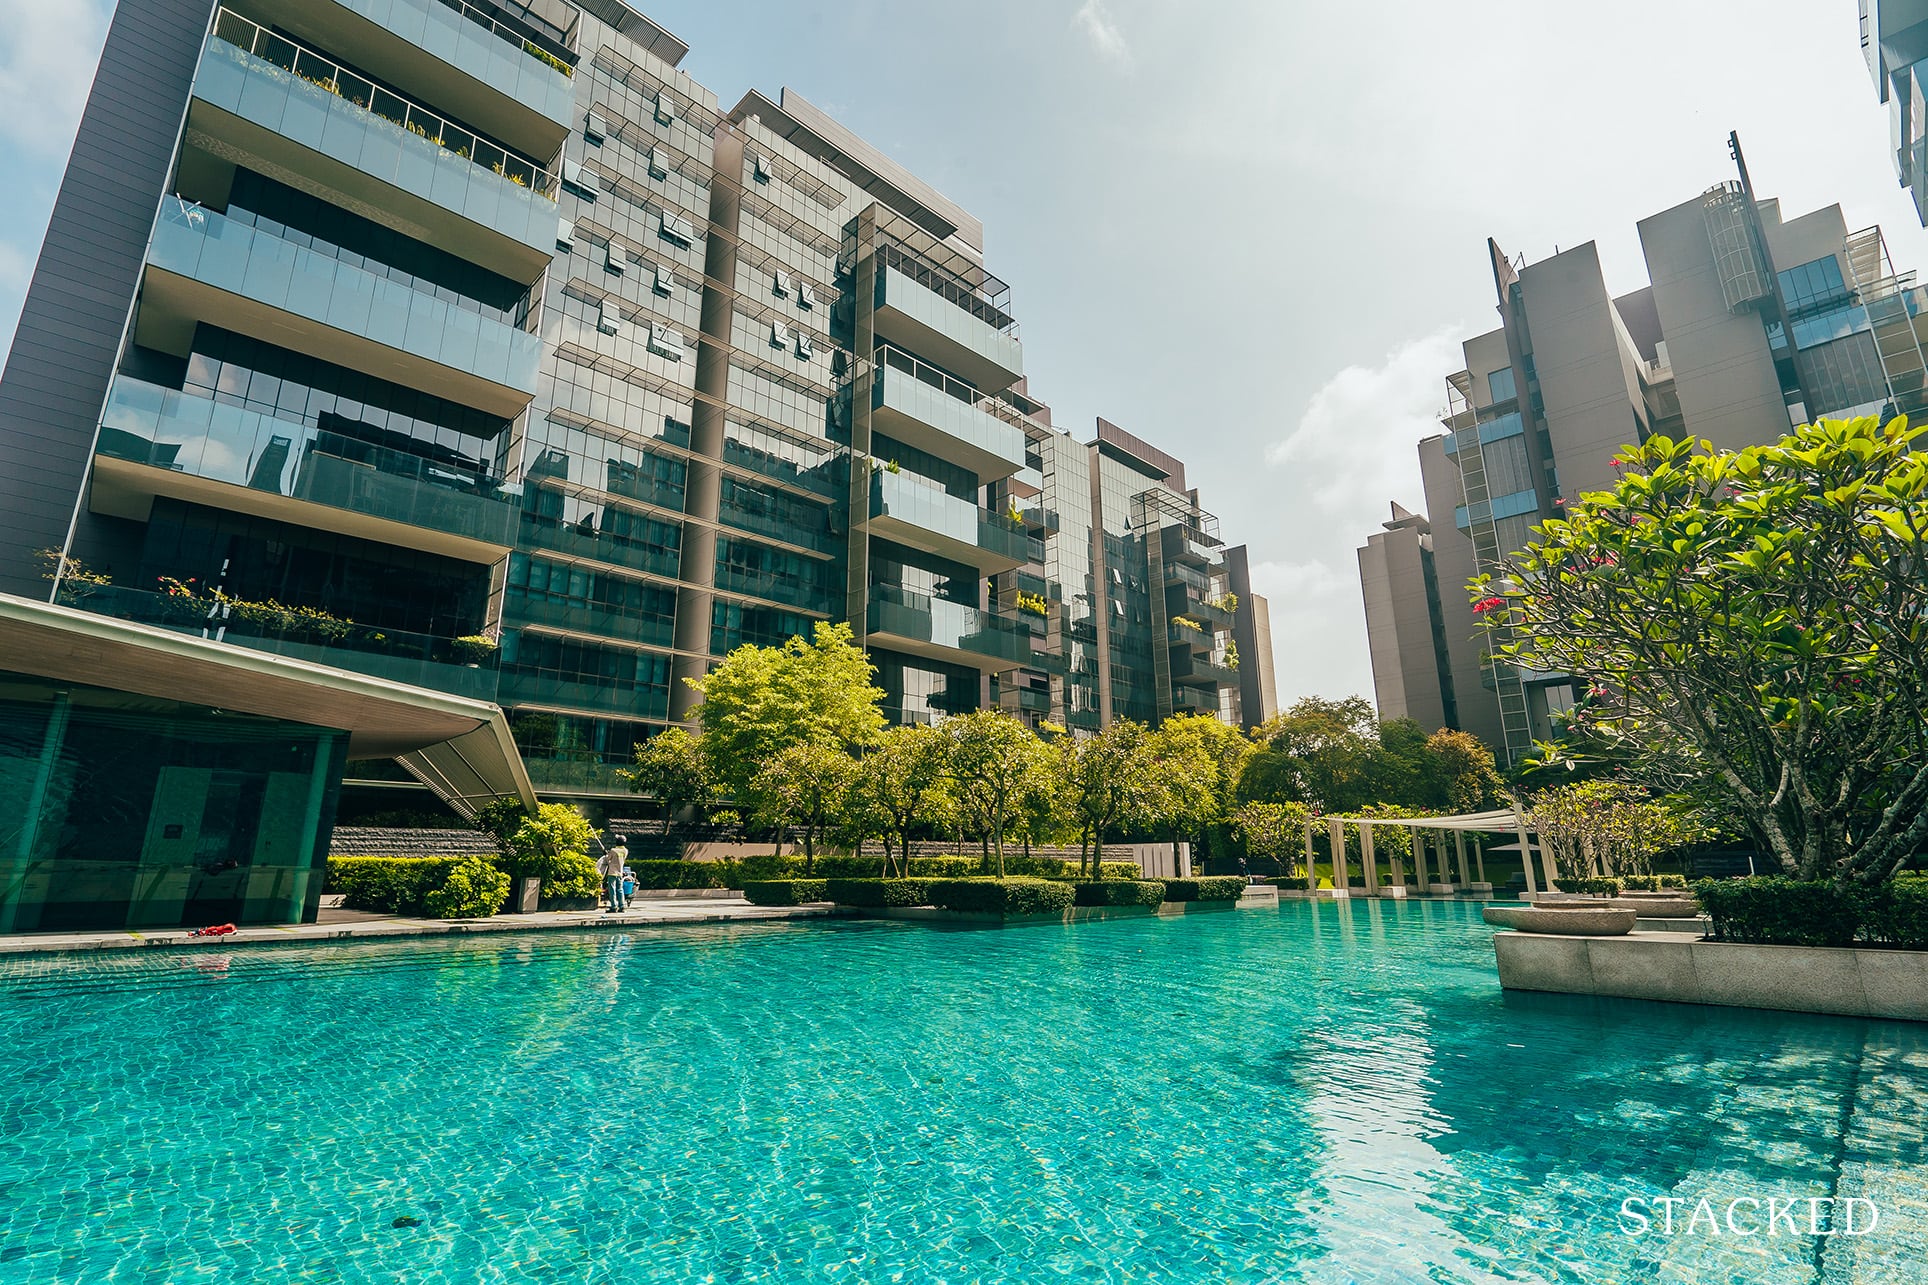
(1653, 906)
(1562, 921)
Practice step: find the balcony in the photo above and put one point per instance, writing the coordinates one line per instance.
(158, 441)
(263, 101)
(1194, 700)
(583, 542)
(421, 660)
(1201, 672)
(522, 609)
(936, 629)
(613, 698)
(1208, 612)
(920, 407)
(922, 516)
(1193, 640)
(1185, 547)
(203, 267)
(1035, 699)
(483, 70)
(943, 324)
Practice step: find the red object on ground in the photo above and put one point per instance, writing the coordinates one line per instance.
(218, 930)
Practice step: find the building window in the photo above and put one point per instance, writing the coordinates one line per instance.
(780, 284)
(806, 297)
(614, 260)
(610, 319)
(677, 229)
(658, 163)
(804, 350)
(1499, 385)
(594, 127)
(565, 234)
(665, 342)
(665, 107)
(578, 180)
(759, 168)
(779, 335)
(665, 281)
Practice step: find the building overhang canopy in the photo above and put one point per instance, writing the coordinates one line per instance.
(1503, 820)
(460, 748)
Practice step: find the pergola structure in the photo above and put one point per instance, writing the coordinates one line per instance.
(1428, 833)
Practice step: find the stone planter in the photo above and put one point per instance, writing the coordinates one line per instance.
(1562, 921)
(1658, 907)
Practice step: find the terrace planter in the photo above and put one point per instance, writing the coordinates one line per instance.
(1562, 921)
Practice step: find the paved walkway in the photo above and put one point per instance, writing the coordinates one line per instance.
(340, 925)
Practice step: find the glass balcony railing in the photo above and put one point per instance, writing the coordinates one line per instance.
(330, 77)
(917, 617)
(182, 433)
(934, 321)
(930, 508)
(419, 660)
(925, 396)
(1203, 673)
(1183, 636)
(521, 608)
(210, 248)
(598, 546)
(756, 584)
(561, 59)
(617, 699)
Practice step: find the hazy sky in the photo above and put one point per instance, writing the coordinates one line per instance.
(1250, 231)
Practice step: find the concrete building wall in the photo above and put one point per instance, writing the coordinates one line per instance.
(1453, 566)
(1723, 370)
(1586, 366)
(1399, 627)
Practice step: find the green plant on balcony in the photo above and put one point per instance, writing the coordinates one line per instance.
(1225, 602)
(73, 576)
(1034, 603)
(892, 467)
(536, 51)
(473, 649)
(1192, 625)
(1231, 655)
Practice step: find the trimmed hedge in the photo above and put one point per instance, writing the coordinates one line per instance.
(1897, 915)
(877, 893)
(783, 892)
(1021, 896)
(1653, 883)
(656, 875)
(388, 885)
(766, 866)
(1770, 910)
(1210, 888)
(1119, 892)
(1590, 887)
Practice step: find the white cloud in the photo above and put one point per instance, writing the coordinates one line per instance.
(1102, 31)
(1289, 581)
(41, 82)
(1354, 445)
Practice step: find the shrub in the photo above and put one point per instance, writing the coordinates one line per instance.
(572, 877)
(1670, 881)
(1896, 914)
(1652, 883)
(1297, 882)
(783, 892)
(388, 885)
(878, 892)
(475, 889)
(766, 866)
(683, 874)
(1590, 887)
(1119, 892)
(1020, 896)
(539, 846)
(1771, 910)
(1210, 888)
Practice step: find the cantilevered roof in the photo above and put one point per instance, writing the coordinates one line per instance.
(458, 747)
(1502, 819)
(639, 28)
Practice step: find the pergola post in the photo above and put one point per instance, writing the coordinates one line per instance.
(1397, 869)
(1341, 877)
(1367, 861)
(1479, 860)
(1459, 843)
(1526, 849)
(1419, 860)
(1311, 879)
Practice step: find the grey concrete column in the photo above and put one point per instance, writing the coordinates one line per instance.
(1341, 877)
(1459, 843)
(1419, 860)
(1526, 849)
(1367, 861)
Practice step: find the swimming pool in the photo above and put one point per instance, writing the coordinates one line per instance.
(1322, 1093)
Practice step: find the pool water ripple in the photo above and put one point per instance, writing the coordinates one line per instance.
(1322, 1093)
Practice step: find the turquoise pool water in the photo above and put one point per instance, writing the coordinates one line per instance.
(1325, 1093)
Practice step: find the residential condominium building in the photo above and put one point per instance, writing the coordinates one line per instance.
(1752, 322)
(425, 388)
(1894, 40)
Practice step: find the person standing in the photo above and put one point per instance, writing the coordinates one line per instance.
(611, 866)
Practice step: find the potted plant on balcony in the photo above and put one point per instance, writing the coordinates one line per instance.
(473, 649)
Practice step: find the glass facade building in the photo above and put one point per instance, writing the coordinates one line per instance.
(481, 348)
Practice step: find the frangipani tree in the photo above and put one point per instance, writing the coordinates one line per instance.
(1606, 828)
(1762, 611)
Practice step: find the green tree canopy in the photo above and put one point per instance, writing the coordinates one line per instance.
(1757, 612)
(760, 700)
(903, 778)
(807, 785)
(994, 760)
(1105, 783)
(1196, 761)
(670, 767)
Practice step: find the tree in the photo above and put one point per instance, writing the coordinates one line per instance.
(1105, 782)
(1760, 610)
(1319, 752)
(903, 777)
(993, 762)
(551, 844)
(760, 700)
(1606, 828)
(1273, 831)
(670, 768)
(805, 784)
(1197, 760)
(1463, 767)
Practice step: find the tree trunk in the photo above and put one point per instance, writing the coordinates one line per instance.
(998, 835)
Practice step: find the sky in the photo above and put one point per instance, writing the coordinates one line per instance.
(1250, 232)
